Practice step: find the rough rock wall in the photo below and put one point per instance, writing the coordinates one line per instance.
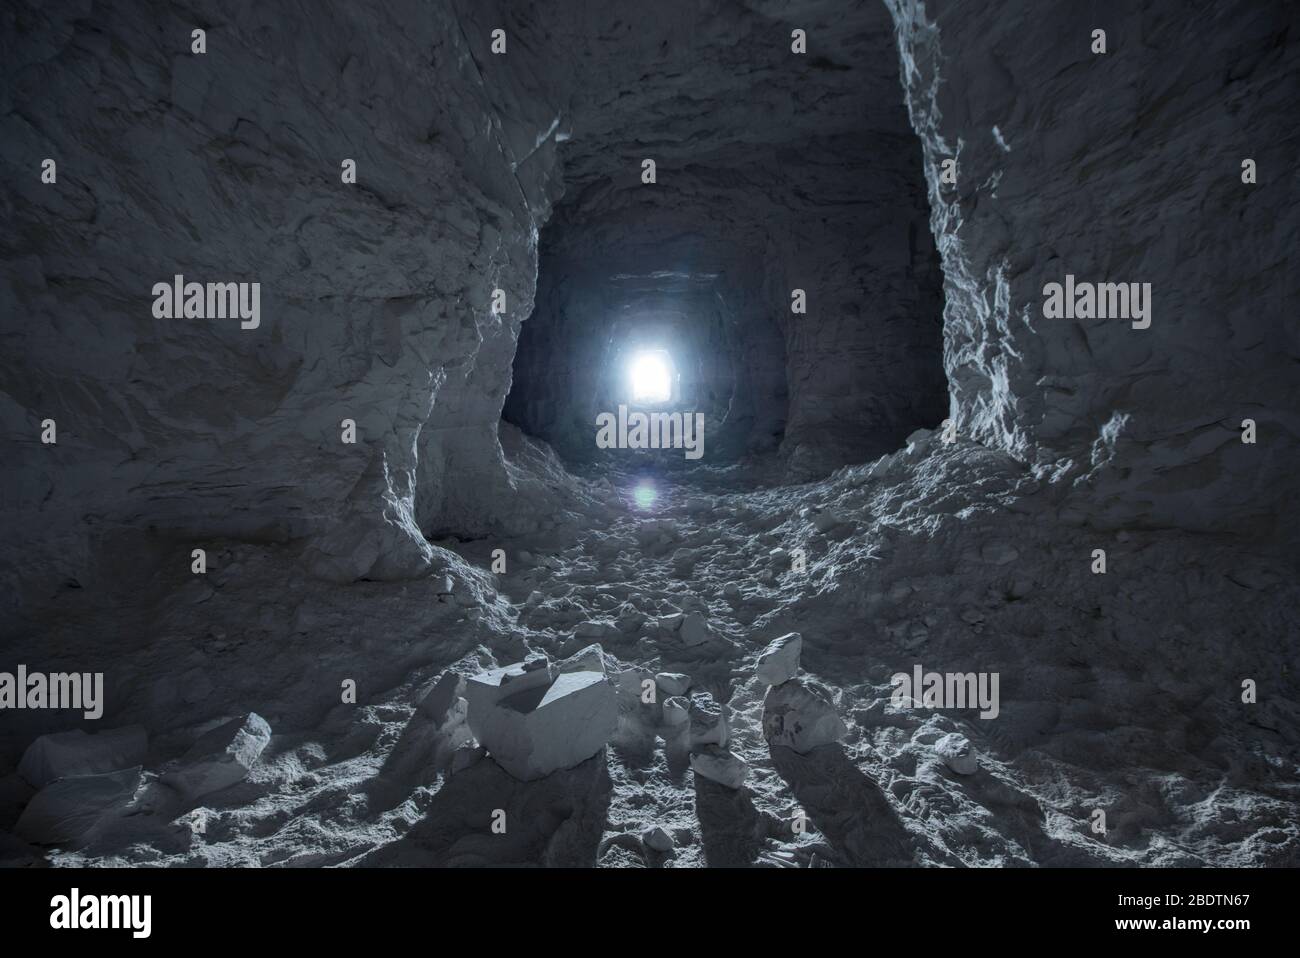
(225, 166)
(1123, 166)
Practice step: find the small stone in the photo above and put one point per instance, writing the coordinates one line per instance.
(589, 659)
(719, 765)
(672, 622)
(779, 662)
(695, 629)
(595, 629)
(708, 721)
(827, 520)
(444, 585)
(957, 753)
(656, 839)
(673, 683)
(677, 711)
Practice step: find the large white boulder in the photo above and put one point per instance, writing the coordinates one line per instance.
(800, 717)
(534, 722)
(221, 757)
(76, 753)
(779, 662)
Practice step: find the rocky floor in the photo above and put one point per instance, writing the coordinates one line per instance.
(1119, 692)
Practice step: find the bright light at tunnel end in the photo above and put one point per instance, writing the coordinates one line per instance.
(645, 494)
(650, 377)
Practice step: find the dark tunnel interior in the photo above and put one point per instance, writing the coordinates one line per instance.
(699, 433)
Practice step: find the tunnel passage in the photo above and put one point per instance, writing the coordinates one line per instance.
(807, 178)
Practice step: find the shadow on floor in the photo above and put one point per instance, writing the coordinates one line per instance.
(556, 821)
(845, 806)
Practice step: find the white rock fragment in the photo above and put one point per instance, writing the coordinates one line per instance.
(656, 839)
(800, 717)
(65, 811)
(695, 629)
(589, 659)
(534, 722)
(957, 753)
(719, 765)
(672, 622)
(708, 721)
(779, 662)
(75, 753)
(221, 757)
(677, 711)
(438, 703)
(443, 585)
(595, 629)
(673, 683)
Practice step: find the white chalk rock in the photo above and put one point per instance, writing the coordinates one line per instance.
(656, 839)
(589, 659)
(672, 622)
(543, 723)
(780, 660)
(75, 753)
(65, 811)
(708, 721)
(800, 717)
(957, 753)
(673, 683)
(719, 765)
(437, 705)
(677, 711)
(221, 757)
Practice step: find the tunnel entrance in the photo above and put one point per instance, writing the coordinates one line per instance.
(781, 255)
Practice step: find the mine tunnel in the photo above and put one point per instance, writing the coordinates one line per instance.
(376, 533)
